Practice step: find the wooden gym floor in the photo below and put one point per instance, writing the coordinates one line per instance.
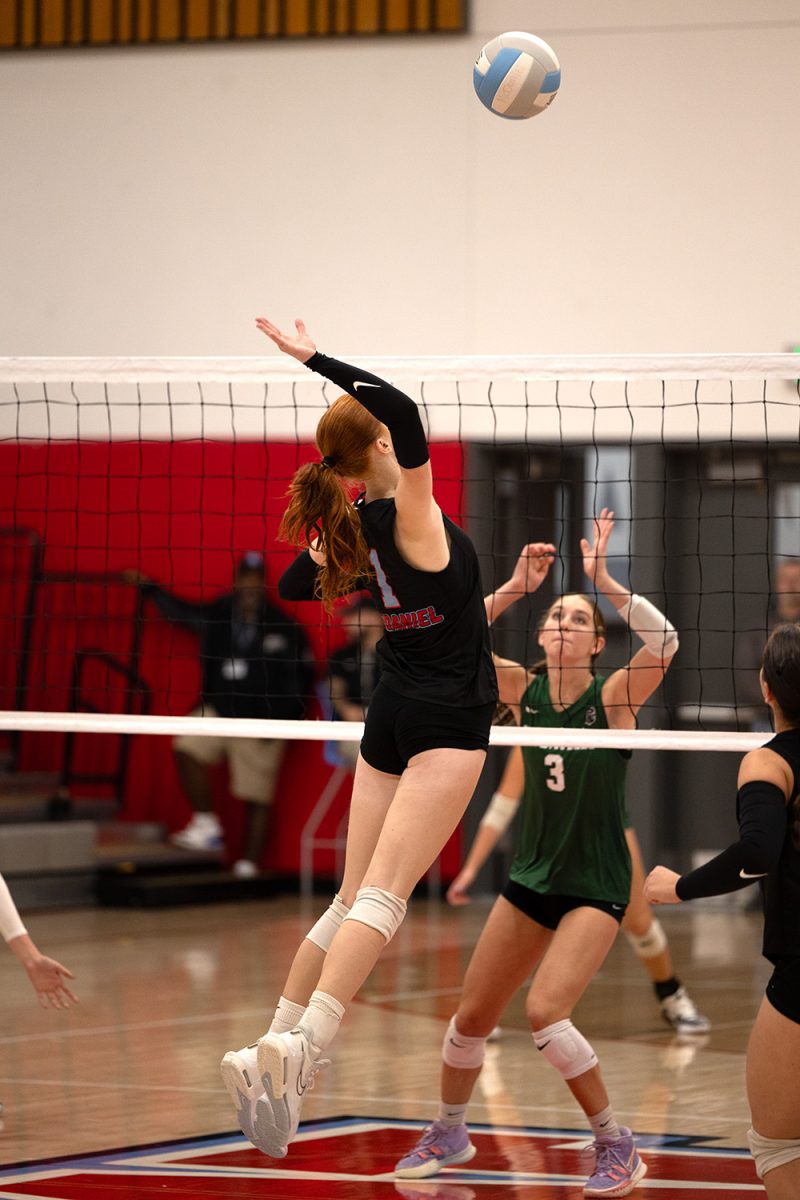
(165, 993)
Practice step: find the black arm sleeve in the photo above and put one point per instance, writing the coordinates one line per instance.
(299, 580)
(395, 409)
(184, 612)
(762, 830)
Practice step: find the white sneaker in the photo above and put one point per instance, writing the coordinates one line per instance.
(203, 832)
(243, 868)
(287, 1064)
(680, 1011)
(239, 1070)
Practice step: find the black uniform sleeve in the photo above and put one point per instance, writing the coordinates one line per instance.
(183, 612)
(762, 830)
(395, 409)
(299, 580)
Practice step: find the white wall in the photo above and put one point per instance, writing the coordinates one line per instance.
(155, 200)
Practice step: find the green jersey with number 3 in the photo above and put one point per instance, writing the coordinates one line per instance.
(572, 833)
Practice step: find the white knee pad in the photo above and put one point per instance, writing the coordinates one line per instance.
(461, 1051)
(566, 1048)
(650, 944)
(323, 933)
(770, 1153)
(378, 909)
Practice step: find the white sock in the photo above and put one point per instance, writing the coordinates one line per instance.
(322, 1019)
(604, 1124)
(452, 1114)
(287, 1015)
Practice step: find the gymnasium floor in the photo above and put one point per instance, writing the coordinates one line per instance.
(165, 993)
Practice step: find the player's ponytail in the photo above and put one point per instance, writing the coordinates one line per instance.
(780, 665)
(320, 512)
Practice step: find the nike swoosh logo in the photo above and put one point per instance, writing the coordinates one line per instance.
(547, 1043)
(356, 386)
(744, 875)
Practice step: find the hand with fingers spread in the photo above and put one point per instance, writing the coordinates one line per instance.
(299, 346)
(594, 555)
(47, 976)
(531, 568)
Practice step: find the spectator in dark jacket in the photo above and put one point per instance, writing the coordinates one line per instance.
(255, 662)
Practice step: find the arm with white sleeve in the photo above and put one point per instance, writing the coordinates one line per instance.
(46, 975)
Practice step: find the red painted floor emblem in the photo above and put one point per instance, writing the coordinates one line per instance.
(352, 1159)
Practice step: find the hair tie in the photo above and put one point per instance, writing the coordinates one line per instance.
(327, 461)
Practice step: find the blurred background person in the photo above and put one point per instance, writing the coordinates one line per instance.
(785, 606)
(255, 662)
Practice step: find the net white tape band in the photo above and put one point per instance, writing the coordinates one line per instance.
(353, 731)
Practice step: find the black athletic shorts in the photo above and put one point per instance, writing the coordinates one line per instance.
(547, 910)
(783, 989)
(397, 728)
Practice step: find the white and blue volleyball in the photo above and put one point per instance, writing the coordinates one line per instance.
(516, 75)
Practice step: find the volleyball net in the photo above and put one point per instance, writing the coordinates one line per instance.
(123, 475)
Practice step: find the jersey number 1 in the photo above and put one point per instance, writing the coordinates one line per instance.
(555, 764)
(388, 596)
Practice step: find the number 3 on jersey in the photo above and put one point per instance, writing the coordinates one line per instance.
(555, 764)
(388, 596)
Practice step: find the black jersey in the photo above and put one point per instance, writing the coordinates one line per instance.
(781, 888)
(436, 645)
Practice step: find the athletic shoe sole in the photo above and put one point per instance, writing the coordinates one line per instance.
(435, 1164)
(622, 1189)
(239, 1086)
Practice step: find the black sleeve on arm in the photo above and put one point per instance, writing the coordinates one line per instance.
(183, 612)
(299, 580)
(395, 409)
(762, 829)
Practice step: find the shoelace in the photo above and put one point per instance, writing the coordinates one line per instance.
(611, 1161)
(684, 1008)
(427, 1147)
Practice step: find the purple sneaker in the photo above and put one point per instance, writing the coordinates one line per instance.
(618, 1167)
(440, 1146)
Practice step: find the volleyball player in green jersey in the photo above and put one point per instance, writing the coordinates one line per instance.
(570, 881)
(642, 929)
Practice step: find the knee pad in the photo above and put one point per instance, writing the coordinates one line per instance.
(460, 1051)
(323, 933)
(379, 910)
(650, 944)
(566, 1048)
(770, 1153)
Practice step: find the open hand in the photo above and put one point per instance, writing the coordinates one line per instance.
(531, 569)
(47, 977)
(299, 346)
(594, 555)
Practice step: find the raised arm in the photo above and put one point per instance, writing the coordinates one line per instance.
(419, 520)
(529, 574)
(626, 690)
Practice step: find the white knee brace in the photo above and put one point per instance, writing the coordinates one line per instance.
(378, 909)
(770, 1153)
(566, 1048)
(323, 933)
(650, 944)
(461, 1051)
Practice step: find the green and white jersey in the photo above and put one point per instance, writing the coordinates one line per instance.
(572, 833)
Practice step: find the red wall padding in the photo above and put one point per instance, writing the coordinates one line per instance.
(181, 513)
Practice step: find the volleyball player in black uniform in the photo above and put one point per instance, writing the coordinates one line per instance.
(768, 849)
(427, 727)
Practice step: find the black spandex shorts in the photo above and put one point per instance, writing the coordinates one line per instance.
(397, 728)
(783, 989)
(547, 910)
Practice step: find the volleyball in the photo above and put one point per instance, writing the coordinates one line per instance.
(516, 75)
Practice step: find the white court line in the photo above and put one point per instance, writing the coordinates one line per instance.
(166, 1023)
